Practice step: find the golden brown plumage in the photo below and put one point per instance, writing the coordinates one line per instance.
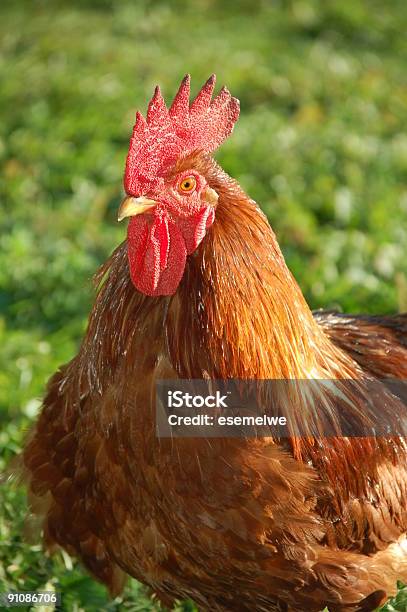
(234, 524)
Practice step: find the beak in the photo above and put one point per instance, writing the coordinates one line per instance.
(134, 206)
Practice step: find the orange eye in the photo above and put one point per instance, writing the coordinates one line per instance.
(187, 184)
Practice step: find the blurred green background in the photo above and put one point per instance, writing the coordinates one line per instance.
(321, 144)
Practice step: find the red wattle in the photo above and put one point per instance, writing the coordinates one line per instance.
(157, 255)
(158, 246)
(194, 228)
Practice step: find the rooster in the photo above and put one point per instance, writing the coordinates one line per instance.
(200, 289)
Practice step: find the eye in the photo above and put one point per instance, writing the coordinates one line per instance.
(187, 185)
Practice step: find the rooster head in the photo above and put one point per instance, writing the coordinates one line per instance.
(170, 210)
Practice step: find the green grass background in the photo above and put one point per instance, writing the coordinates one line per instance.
(321, 144)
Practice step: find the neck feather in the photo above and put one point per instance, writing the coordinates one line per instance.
(239, 312)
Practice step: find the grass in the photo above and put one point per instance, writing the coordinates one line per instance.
(321, 144)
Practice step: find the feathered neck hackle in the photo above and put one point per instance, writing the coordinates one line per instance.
(240, 314)
(237, 313)
(248, 315)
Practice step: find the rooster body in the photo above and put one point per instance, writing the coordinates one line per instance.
(234, 524)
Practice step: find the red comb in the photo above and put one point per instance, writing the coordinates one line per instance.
(168, 134)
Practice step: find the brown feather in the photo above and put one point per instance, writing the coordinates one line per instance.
(233, 524)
